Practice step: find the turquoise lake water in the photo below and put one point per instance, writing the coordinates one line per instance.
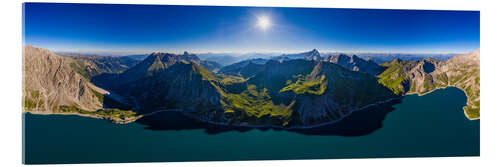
(430, 125)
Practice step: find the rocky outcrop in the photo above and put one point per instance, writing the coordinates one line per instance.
(50, 85)
(313, 55)
(354, 63)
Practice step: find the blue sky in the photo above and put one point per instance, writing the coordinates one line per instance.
(147, 28)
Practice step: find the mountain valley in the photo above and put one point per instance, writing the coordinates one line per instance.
(287, 91)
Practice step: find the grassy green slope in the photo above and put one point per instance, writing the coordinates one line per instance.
(303, 86)
(349, 86)
(394, 76)
(255, 103)
(85, 68)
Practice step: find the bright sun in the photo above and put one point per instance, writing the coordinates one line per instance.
(263, 22)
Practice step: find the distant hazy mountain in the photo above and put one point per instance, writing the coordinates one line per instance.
(230, 58)
(423, 76)
(256, 55)
(211, 65)
(223, 60)
(385, 57)
(311, 55)
(204, 56)
(93, 65)
(139, 57)
(354, 63)
(51, 86)
(245, 71)
(244, 68)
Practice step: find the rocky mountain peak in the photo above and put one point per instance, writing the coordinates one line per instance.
(315, 51)
(50, 83)
(355, 63)
(469, 58)
(356, 58)
(310, 55)
(313, 55)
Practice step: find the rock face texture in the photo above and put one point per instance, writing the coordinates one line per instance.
(423, 76)
(313, 55)
(50, 84)
(354, 63)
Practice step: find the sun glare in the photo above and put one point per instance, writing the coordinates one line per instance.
(263, 22)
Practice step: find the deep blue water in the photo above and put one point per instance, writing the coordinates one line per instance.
(430, 125)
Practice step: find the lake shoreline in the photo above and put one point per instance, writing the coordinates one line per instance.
(133, 119)
(447, 86)
(130, 120)
(296, 127)
(429, 126)
(95, 116)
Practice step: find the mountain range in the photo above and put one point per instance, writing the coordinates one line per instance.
(92, 65)
(290, 90)
(380, 58)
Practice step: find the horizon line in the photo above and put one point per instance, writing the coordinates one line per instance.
(290, 51)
